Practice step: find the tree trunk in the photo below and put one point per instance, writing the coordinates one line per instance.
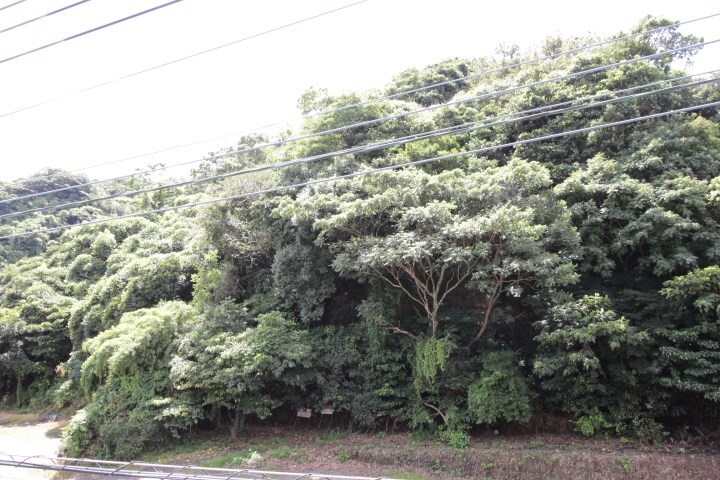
(19, 392)
(238, 423)
(489, 307)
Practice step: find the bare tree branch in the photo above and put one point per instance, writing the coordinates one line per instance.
(437, 410)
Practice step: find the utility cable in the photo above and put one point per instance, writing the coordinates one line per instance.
(494, 94)
(177, 60)
(370, 171)
(92, 30)
(218, 156)
(346, 107)
(49, 14)
(453, 130)
(12, 4)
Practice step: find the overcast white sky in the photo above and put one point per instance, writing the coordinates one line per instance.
(252, 83)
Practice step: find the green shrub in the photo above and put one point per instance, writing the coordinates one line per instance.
(648, 431)
(593, 364)
(65, 393)
(455, 438)
(126, 416)
(501, 393)
(592, 423)
(77, 436)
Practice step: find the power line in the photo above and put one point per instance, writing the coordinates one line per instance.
(346, 107)
(494, 94)
(368, 172)
(453, 130)
(139, 72)
(92, 30)
(49, 14)
(12, 4)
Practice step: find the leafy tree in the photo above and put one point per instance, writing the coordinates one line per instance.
(153, 264)
(127, 375)
(501, 393)
(428, 235)
(591, 362)
(14, 362)
(364, 372)
(682, 146)
(691, 347)
(246, 371)
(302, 276)
(143, 340)
(627, 223)
(414, 79)
(34, 331)
(12, 250)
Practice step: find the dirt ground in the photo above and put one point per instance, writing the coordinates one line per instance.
(404, 456)
(24, 434)
(397, 455)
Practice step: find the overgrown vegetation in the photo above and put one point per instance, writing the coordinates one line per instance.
(575, 278)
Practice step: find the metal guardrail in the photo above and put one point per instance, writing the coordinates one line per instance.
(157, 470)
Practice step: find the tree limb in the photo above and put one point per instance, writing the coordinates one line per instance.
(444, 418)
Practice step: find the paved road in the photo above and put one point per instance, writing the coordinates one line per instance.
(23, 435)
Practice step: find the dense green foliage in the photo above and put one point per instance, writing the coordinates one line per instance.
(501, 393)
(690, 346)
(576, 277)
(590, 361)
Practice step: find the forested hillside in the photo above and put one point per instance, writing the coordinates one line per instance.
(571, 280)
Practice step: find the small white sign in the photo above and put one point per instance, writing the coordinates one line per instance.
(304, 412)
